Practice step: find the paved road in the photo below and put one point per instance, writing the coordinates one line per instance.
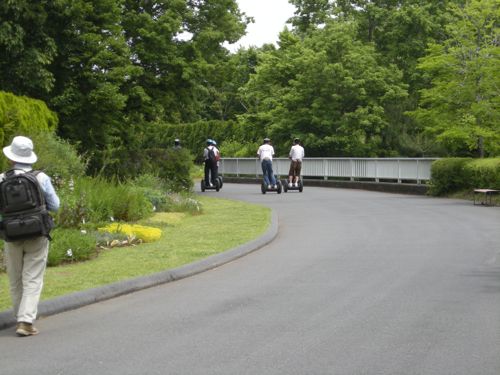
(356, 282)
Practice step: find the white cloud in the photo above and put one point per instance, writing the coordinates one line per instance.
(270, 18)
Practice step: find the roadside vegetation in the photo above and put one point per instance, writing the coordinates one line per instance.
(458, 177)
(111, 229)
(186, 237)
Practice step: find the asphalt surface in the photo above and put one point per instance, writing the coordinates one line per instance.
(355, 282)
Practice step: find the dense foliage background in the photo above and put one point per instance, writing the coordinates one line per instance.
(349, 77)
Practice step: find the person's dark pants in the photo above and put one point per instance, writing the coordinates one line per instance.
(211, 172)
(267, 171)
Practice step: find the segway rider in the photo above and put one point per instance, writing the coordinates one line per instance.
(296, 155)
(211, 155)
(265, 154)
(217, 160)
(177, 144)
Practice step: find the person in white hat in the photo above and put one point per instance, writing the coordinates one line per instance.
(26, 259)
(211, 172)
(177, 144)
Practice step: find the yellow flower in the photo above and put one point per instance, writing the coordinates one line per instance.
(147, 234)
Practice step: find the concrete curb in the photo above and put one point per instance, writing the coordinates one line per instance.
(86, 297)
(385, 187)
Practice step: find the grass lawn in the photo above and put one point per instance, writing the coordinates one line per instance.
(223, 225)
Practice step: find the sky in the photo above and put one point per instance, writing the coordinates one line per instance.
(270, 17)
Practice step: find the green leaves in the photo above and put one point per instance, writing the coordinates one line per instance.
(461, 107)
(26, 49)
(329, 89)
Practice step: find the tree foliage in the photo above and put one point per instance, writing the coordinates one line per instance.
(26, 48)
(329, 89)
(462, 106)
(22, 115)
(111, 67)
(126, 77)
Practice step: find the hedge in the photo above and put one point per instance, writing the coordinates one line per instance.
(20, 115)
(451, 175)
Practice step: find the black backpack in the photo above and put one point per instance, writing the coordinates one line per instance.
(22, 207)
(212, 156)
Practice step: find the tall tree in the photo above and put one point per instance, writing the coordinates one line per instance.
(178, 45)
(228, 76)
(400, 31)
(91, 72)
(310, 14)
(26, 49)
(462, 106)
(163, 91)
(328, 88)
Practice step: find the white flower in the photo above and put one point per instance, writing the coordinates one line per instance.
(83, 231)
(112, 218)
(69, 253)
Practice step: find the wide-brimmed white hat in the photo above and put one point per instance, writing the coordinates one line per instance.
(20, 150)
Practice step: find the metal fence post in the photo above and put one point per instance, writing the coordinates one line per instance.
(418, 170)
(399, 172)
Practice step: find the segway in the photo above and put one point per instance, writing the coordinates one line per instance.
(216, 186)
(299, 187)
(264, 188)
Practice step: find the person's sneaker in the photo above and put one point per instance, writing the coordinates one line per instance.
(269, 187)
(290, 184)
(275, 186)
(26, 329)
(296, 185)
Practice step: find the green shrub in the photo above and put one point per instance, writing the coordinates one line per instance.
(483, 173)
(163, 199)
(71, 245)
(448, 175)
(227, 133)
(235, 149)
(173, 167)
(96, 200)
(20, 115)
(457, 174)
(58, 158)
(154, 189)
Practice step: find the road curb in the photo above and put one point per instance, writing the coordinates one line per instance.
(78, 299)
(384, 187)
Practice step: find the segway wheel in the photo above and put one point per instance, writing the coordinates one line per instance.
(202, 184)
(301, 186)
(279, 187)
(285, 186)
(217, 184)
(263, 188)
(221, 181)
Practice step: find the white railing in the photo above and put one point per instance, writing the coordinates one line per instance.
(392, 169)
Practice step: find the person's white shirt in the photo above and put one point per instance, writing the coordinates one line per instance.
(265, 151)
(296, 153)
